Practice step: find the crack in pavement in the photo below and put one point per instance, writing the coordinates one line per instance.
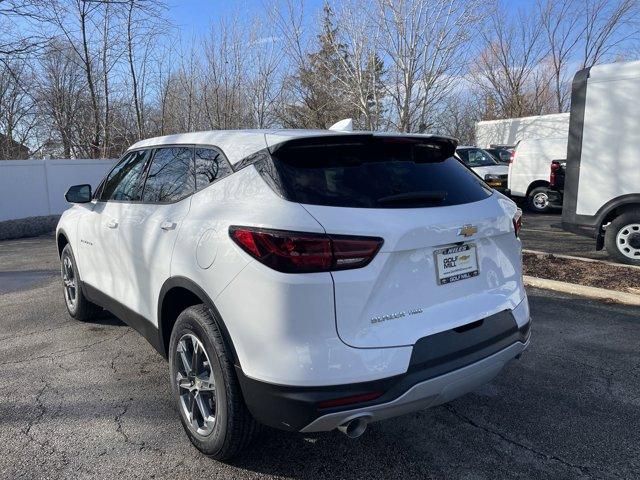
(120, 429)
(582, 469)
(608, 371)
(66, 352)
(59, 326)
(40, 405)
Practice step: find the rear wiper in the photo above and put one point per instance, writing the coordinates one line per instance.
(427, 196)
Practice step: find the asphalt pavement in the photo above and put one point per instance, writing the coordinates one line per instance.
(543, 232)
(91, 400)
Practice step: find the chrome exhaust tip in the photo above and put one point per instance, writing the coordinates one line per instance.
(354, 427)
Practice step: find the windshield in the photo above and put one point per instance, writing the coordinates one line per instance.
(476, 157)
(373, 172)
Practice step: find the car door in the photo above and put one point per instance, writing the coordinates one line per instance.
(98, 257)
(148, 229)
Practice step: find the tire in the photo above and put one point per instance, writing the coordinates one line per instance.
(78, 306)
(222, 426)
(622, 238)
(538, 200)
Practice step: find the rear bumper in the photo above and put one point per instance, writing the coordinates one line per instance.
(443, 366)
(426, 394)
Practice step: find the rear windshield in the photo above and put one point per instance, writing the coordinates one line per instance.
(375, 172)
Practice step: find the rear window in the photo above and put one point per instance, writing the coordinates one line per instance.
(373, 172)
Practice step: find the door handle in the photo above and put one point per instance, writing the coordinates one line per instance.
(168, 225)
(113, 223)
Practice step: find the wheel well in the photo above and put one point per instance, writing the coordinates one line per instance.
(62, 242)
(536, 184)
(173, 303)
(615, 212)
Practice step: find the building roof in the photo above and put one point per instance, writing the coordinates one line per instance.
(239, 144)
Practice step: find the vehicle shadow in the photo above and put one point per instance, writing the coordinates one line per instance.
(107, 318)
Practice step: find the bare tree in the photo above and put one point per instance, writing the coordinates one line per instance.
(603, 30)
(426, 42)
(360, 68)
(608, 25)
(60, 91)
(17, 110)
(509, 69)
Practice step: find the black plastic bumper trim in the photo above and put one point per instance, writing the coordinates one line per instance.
(293, 408)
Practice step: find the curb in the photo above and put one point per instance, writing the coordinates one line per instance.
(583, 291)
(583, 259)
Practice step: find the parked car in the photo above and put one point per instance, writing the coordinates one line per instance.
(502, 154)
(602, 187)
(304, 280)
(486, 166)
(529, 171)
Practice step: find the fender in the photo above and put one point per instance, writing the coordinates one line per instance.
(61, 233)
(196, 290)
(621, 201)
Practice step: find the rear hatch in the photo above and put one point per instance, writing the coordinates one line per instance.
(450, 256)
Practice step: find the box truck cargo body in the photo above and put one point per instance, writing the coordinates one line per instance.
(510, 131)
(602, 185)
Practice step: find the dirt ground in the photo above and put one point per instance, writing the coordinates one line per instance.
(592, 274)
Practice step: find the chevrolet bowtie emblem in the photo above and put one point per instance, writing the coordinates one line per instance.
(468, 230)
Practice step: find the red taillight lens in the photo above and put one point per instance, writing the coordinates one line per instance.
(512, 157)
(299, 252)
(517, 221)
(555, 166)
(360, 398)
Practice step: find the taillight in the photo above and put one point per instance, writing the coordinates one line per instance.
(517, 221)
(555, 166)
(300, 252)
(512, 157)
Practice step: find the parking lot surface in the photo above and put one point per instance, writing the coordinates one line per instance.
(543, 232)
(91, 400)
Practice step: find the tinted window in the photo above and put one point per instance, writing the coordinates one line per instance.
(170, 176)
(375, 173)
(210, 166)
(476, 157)
(125, 181)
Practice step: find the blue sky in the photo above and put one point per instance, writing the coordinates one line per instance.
(194, 16)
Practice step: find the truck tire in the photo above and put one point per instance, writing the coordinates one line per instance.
(622, 238)
(205, 387)
(538, 200)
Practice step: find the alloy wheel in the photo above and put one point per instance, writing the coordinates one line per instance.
(628, 241)
(69, 281)
(196, 385)
(540, 201)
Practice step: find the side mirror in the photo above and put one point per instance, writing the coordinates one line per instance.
(78, 194)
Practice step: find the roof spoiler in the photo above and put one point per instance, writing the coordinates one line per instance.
(446, 144)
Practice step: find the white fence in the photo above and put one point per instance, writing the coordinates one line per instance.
(30, 188)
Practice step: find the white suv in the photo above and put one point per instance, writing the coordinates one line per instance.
(305, 280)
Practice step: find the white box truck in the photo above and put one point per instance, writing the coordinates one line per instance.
(602, 184)
(510, 131)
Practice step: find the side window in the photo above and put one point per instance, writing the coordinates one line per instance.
(170, 176)
(464, 156)
(210, 166)
(125, 181)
